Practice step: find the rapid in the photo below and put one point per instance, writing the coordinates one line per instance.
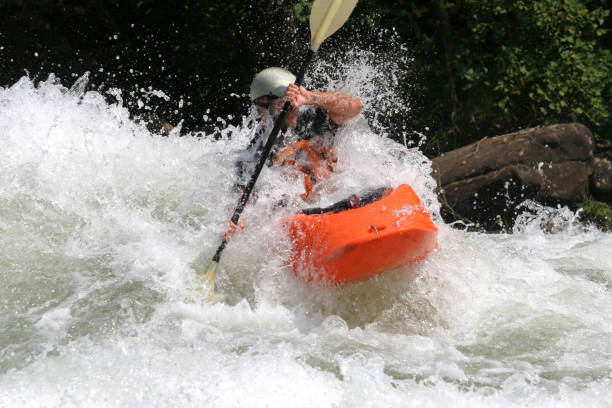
(105, 226)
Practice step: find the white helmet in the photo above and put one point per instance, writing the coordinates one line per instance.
(271, 81)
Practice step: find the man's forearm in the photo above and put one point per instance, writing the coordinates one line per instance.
(341, 107)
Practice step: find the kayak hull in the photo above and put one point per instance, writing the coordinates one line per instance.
(362, 242)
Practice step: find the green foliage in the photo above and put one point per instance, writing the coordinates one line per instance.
(596, 212)
(541, 58)
(479, 67)
(491, 66)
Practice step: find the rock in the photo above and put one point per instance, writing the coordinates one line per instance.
(485, 181)
(565, 183)
(601, 181)
(556, 143)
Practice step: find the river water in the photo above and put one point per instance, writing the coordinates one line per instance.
(104, 227)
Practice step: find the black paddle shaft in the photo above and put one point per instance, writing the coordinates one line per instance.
(264, 155)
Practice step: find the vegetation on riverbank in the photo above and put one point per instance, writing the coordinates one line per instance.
(596, 212)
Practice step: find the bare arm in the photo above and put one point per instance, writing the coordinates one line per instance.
(341, 107)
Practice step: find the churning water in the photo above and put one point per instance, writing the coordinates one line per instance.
(104, 226)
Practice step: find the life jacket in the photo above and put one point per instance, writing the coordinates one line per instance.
(314, 158)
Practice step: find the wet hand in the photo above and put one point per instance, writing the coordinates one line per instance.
(232, 229)
(298, 96)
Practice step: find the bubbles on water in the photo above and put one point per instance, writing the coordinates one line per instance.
(334, 323)
(534, 218)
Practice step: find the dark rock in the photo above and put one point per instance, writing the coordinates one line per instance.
(601, 181)
(556, 143)
(565, 183)
(485, 181)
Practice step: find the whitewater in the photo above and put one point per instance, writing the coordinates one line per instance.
(105, 226)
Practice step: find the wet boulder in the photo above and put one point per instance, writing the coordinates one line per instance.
(484, 182)
(601, 181)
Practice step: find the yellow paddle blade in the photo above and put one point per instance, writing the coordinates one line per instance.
(209, 279)
(326, 17)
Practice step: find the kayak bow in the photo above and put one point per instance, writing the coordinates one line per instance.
(362, 242)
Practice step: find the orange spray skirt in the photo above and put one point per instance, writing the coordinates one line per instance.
(362, 242)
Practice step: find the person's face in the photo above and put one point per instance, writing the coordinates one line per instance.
(274, 107)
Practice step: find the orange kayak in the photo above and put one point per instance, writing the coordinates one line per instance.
(361, 242)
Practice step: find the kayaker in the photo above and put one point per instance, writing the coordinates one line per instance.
(309, 128)
(308, 133)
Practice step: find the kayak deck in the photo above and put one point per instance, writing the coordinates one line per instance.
(364, 241)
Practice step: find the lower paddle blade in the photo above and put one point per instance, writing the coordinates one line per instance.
(209, 278)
